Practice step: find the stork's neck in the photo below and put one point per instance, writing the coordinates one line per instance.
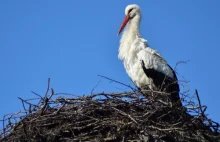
(129, 35)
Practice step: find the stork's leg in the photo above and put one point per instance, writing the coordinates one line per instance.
(149, 96)
(153, 95)
(152, 91)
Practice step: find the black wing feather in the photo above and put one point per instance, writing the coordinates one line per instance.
(164, 82)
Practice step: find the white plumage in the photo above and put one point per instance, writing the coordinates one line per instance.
(144, 65)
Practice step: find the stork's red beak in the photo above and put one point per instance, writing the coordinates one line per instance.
(125, 21)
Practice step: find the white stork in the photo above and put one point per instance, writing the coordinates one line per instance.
(145, 66)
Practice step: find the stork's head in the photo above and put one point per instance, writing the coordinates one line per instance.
(131, 11)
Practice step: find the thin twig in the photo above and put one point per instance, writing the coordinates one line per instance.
(36, 94)
(119, 83)
(48, 87)
(95, 86)
(197, 96)
(27, 102)
(123, 113)
(23, 105)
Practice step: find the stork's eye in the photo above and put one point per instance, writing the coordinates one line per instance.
(130, 10)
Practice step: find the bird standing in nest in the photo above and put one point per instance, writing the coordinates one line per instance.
(144, 65)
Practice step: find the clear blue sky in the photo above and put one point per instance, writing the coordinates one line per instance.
(73, 41)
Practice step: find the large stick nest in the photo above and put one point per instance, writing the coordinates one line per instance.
(126, 116)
